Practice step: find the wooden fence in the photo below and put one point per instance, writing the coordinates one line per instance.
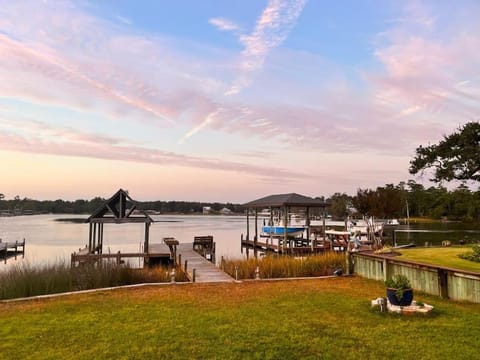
(436, 280)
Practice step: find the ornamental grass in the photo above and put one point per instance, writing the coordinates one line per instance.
(275, 266)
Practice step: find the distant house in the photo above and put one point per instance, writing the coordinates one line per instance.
(206, 210)
(226, 211)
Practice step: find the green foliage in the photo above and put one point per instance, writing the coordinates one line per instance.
(400, 283)
(25, 280)
(456, 157)
(474, 255)
(385, 202)
(339, 205)
(272, 267)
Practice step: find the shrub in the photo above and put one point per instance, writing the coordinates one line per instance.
(473, 255)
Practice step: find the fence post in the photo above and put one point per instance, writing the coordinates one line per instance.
(257, 273)
(194, 275)
(179, 260)
(186, 262)
(236, 272)
(172, 276)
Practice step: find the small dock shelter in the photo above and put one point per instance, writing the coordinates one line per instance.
(119, 209)
(282, 210)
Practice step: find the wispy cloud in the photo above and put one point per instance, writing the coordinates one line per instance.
(224, 24)
(27, 135)
(271, 29)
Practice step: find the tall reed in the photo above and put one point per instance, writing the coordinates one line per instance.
(275, 266)
(25, 280)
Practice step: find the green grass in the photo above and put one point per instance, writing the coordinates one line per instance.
(286, 266)
(25, 280)
(441, 256)
(303, 319)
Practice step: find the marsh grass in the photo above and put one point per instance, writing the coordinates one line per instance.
(274, 266)
(26, 280)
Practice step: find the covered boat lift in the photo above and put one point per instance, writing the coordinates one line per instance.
(287, 205)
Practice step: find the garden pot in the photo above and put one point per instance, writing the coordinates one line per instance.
(406, 299)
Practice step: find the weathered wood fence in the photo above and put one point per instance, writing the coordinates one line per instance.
(436, 280)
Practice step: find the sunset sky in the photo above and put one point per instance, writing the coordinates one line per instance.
(219, 100)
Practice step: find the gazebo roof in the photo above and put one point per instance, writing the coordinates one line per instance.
(281, 200)
(120, 208)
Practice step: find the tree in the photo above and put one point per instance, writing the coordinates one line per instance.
(456, 157)
(339, 205)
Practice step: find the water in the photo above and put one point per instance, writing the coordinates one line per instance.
(50, 241)
(435, 233)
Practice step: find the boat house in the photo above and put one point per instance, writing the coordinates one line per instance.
(285, 225)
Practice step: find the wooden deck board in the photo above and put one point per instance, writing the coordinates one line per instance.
(205, 270)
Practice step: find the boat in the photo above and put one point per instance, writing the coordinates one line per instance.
(280, 230)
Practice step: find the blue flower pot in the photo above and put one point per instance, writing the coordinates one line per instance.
(406, 299)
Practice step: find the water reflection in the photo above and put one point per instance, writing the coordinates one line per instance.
(50, 241)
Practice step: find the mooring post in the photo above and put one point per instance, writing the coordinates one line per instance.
(118, 258)
(16, 248)
(186, 262)
(179, 260)
(194, 275)
(257, 273)
(23, 252)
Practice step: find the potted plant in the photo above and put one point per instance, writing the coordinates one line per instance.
(399, 290)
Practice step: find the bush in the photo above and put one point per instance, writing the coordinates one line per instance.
(474, 255)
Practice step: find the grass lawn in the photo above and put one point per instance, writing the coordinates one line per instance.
(441, 256)
(308, 319)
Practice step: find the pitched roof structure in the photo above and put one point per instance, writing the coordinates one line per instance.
(281, 200)
(120, 208)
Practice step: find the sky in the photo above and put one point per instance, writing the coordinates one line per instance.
(228, 101)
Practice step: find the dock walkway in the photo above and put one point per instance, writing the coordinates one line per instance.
(205, 271)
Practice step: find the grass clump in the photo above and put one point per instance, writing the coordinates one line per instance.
(25, 280)
(473, 255)
(274, 266)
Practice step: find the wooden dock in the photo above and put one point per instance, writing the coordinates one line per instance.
(12, 249)
(205, 271)
(198, 268)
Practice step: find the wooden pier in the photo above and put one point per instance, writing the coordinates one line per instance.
(12, 249)
(158, 254)
(199, 269)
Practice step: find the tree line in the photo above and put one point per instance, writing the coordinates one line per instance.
(25, 205)
(386, 202)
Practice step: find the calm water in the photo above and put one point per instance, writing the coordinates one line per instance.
(49, 241)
